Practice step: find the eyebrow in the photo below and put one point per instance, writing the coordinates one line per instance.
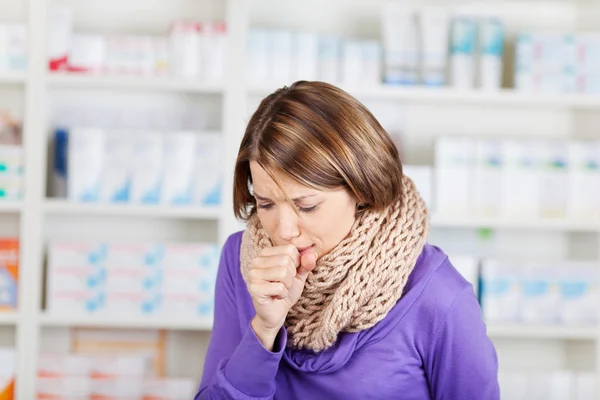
(262, 198)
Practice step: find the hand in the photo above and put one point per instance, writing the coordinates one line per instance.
(276, 281)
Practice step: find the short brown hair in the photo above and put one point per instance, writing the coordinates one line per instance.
(323, 138)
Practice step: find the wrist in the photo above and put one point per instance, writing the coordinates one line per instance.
(266, 335)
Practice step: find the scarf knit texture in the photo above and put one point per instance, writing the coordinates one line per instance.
(357, 283)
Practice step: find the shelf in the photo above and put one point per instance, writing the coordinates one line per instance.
(12, 77)
(543, 332)
(503, 97)
(558, 224)
(154, 322)
(8, 318)
(10, 206)
(132, 82)
(131, 210)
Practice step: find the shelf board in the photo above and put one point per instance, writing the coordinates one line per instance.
(8, 318)
(54, 206)
(12, 77)
(7, 206)
(543, 332)
(502, 97)
(557, 224)
(150, 322)
(133, 82)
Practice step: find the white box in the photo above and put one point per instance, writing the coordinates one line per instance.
(520, 179)
(491, 45)
(16, 49)
(468, 267)
(259, 54)
(554, 179)
(121, 388)
(64, 388)
(147, 165)
(329, 59)
(85, 164)
(352, 62)
(116, 176)
(513, 385)
(371, 63)
(434, 23)
(400, 44)
(215, 49)
(129, 302)
(586, 386)
(500, 292)
(76, 276)
(169, 388)
(208, 175)
(306, 57)
(487, 182)
(282, 51)
(422, 177)
(540, 294)
(584, 180)
(177, 178)
(454, 162)
(87, 53)
(462, 52)
(60, 29)
(186, 47)
(7, 367)
(111, 367)
(11, 159)
(579, 289)
(185, 305)
(64, 365)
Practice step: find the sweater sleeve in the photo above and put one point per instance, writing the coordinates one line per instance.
(237, 366)
(462, 362)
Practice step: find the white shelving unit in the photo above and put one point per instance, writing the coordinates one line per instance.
(180, 212)
(8, 318)
(12, 77)
(10, 206)
(181, 324)
(123, 82)
(409, 110)
(499, 98)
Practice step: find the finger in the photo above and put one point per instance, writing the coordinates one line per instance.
(268, 290)
(280, 260)
(307, 264)
(273, 274)
(289, 249)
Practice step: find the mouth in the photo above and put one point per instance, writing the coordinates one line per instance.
(304, 250)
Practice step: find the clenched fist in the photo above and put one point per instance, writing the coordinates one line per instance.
(276, 280)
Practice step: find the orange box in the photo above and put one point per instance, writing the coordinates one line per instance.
(7, 373)
(9, 274)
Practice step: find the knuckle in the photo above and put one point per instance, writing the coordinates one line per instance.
(291, 250)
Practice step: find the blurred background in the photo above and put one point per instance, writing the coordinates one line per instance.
(119, 126)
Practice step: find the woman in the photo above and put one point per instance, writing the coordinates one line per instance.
(332, 292)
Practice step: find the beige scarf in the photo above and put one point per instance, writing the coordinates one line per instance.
(356, 284)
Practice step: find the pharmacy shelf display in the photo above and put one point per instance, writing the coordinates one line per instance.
(487, 113)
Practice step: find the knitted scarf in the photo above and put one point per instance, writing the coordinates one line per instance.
(356, 284)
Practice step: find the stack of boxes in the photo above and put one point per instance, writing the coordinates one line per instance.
(172, 280)
(176, 168)
(77, 376)
(516, 178)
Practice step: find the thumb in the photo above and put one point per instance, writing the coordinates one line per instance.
(307, 264)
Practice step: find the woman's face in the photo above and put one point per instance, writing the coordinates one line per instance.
(323, 218)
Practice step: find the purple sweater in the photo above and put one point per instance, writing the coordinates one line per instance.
(432, 345)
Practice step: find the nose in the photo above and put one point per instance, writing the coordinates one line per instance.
(288, 224)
